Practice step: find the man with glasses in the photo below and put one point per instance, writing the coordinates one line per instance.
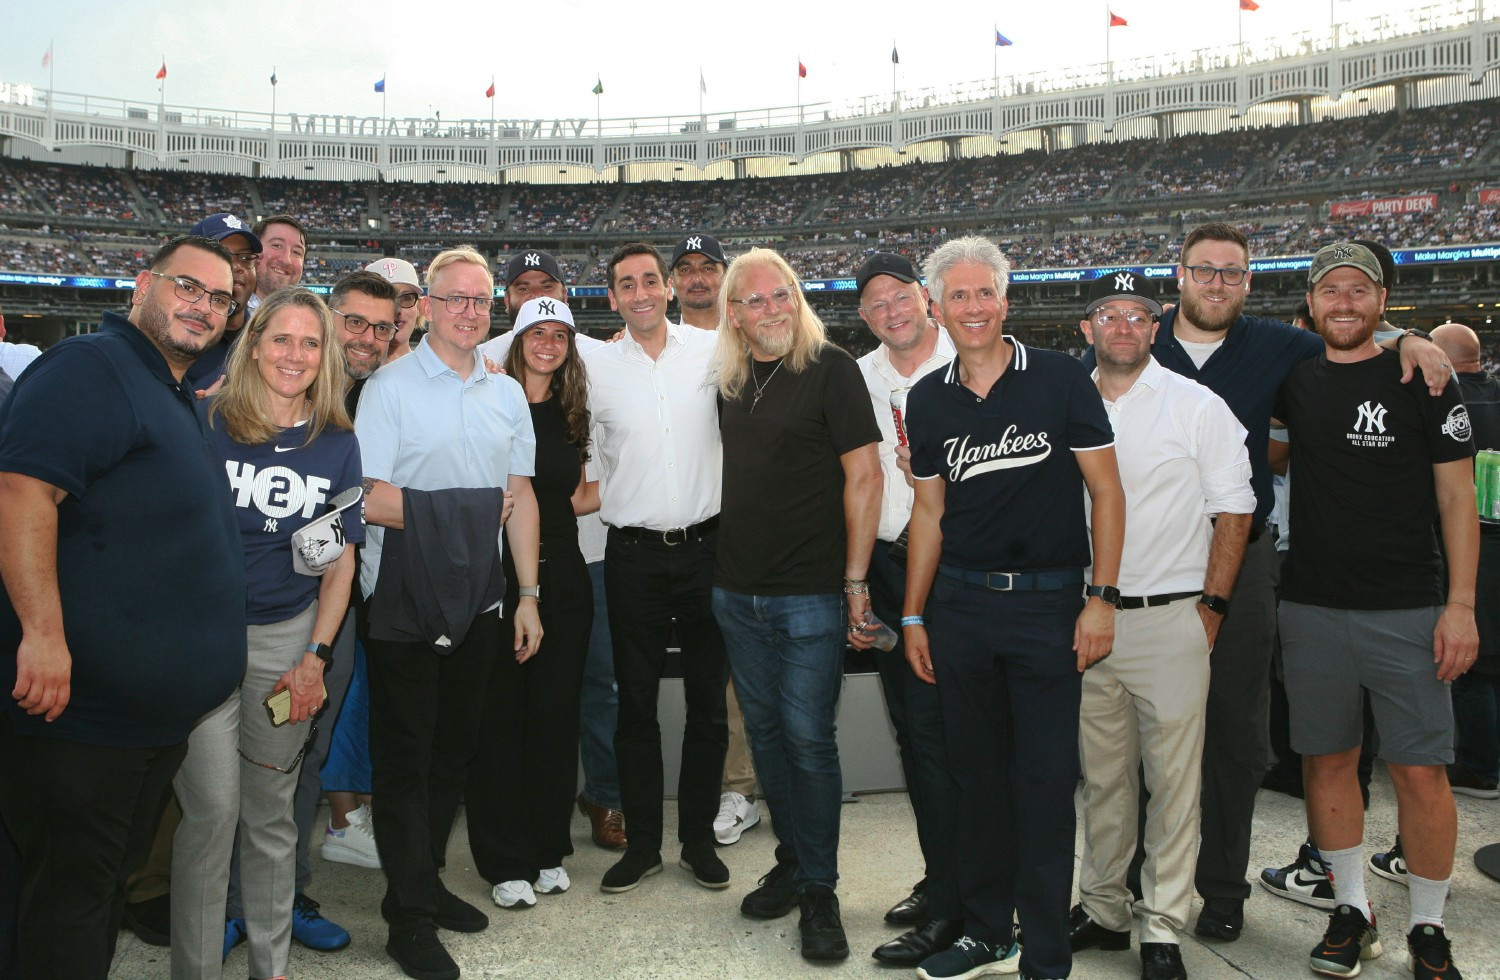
(244, 252)
(656, 446)
(439, 425)
(801, 503)
(114, 514)
(1243, 360)
(403, 275)
(1186, 475)
(893, 305)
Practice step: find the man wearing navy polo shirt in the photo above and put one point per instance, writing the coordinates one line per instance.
(1243, 360)
(1003, 442)
(122, 617)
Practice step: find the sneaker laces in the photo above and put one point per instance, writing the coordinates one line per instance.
(1430, 947)
(782, 871)
(965, 943)
(306, 907)
(1345, 926)
(729, 808)
(822, 912)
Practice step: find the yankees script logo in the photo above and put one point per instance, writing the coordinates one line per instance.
(533, 259)
(1371, 417)
(694, 243)
(965, 461)
(1125, 282)
(545, 308)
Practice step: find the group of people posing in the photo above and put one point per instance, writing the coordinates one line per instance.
(208, 531)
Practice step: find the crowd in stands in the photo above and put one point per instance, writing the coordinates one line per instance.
(183, 198)
(322, 204)
(554, 209)
(466, 209)
(82, 192)
(669, 206)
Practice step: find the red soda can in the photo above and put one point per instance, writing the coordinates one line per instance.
(898, 412)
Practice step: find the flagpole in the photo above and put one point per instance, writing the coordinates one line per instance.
(273, 98)
(995, 59)
(700, 91)
(51, 70)
(799, 90)
(492, 108)
(1242, 36)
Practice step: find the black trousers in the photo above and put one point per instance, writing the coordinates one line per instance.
(652, 588)
(519, 801)
(82, 818)
(917, 715)
(424, 722)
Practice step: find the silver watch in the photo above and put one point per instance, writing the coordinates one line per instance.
(533, 591)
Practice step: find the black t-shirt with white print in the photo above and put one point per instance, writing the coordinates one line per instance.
(1364, 503)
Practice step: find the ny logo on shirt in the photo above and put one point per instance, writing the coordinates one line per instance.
(1371, 417)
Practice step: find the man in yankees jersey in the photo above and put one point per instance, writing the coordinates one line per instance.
(1003, 442)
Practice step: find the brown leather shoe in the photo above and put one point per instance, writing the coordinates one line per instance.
(609, 825)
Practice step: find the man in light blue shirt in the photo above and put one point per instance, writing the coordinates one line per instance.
(436, 421)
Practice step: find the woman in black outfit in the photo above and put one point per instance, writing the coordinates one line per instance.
(524, 775)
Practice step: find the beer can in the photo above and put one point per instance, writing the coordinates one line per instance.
(1487, 484)
(898, 412)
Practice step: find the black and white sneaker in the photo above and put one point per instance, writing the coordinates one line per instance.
(1391, 864)
(1349, 939)
(1305, 880)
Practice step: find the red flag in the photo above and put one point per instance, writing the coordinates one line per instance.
(1249, 5)
(47, 58)
(162, 71)
(489, 93)
(801, 70)
(1115, 20)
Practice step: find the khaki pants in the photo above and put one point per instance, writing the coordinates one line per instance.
(739, 770)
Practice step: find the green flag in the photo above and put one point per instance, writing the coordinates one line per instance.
(599, 87)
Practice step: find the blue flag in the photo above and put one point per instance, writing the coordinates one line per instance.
(1001, 41)
(380, 85)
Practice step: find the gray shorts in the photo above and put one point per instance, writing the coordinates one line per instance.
(1330, 654)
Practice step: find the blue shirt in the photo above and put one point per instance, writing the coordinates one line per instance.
(1257, 355)
(276, 488)
(1014, 500)
(422, 426)
(149, 562)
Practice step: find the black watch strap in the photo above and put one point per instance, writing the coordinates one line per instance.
(1107, 593)
(323, 652)
(1412, 332)
(1215, 603)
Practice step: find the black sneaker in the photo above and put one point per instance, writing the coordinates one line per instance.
(1390, 865)
(1428, 954)
(775, 897)
(1221, 918)
(822, 929)
(1305, 880)
(629, 870)
(457, 915)
(705, 865)
(421, 955)
(1349, 939)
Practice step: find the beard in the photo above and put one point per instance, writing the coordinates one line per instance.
(156, 324)
(777, 344)
(1213, 318)
(1349, 338)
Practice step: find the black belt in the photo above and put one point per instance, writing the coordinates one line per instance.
(1016, 581)
(672, 535)
(1142, 601)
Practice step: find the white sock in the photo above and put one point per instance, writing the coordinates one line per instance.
(1347, 869)
(1427, 900)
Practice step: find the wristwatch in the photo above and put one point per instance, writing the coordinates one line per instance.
(1215, 603)
(1107, 593)
(1413, 332)
(533, 591)
(323, 652)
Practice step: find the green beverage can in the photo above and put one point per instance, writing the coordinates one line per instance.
(1487, 484)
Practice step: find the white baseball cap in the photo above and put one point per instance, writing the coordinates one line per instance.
(318, 544)
(397, 272)
(543, 309)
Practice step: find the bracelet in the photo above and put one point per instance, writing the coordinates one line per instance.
(854, 586)
(913, 621)
(1455, 602)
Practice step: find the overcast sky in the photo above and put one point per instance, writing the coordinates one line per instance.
(545, 57)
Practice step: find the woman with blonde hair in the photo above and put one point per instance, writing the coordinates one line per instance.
(289, 452)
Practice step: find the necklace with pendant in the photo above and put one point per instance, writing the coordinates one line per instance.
(760, 386)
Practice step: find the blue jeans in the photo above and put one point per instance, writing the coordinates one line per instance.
(600, 706)
(787, 656)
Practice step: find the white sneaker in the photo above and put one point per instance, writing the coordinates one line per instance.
(553, 881)
(514, 895)
(736, 815)
(355, 844)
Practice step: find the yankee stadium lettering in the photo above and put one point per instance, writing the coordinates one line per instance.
(965, 461)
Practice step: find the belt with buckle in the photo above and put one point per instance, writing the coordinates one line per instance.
(672, 535)
(1016, 581)
(1142, 601)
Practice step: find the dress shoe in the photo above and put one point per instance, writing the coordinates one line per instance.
(911, 910)
(1085, 933)
(608, 825)
(1221, 918)
(629, 870)
(1161, 961)
(911, 948)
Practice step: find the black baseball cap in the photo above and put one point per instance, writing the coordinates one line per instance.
(532, 258)
(1122, 284)
(702, 243)
(885, 264)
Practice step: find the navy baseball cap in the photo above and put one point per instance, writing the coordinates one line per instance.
(532, 258)
(703, 244)
(1122, 284)
(885, 264)
(222, 225)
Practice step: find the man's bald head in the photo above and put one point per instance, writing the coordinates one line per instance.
(1460, 344)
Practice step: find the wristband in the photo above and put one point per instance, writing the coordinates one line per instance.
(323, 652)
(913, 621)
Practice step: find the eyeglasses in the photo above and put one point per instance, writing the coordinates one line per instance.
(221, 303)
(757, 302)
(1108, 316)
(312, 733)
(900, 304)
(244, 258)
(1231, 276)
(357, 325)
(456, 304)
(407, 300)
